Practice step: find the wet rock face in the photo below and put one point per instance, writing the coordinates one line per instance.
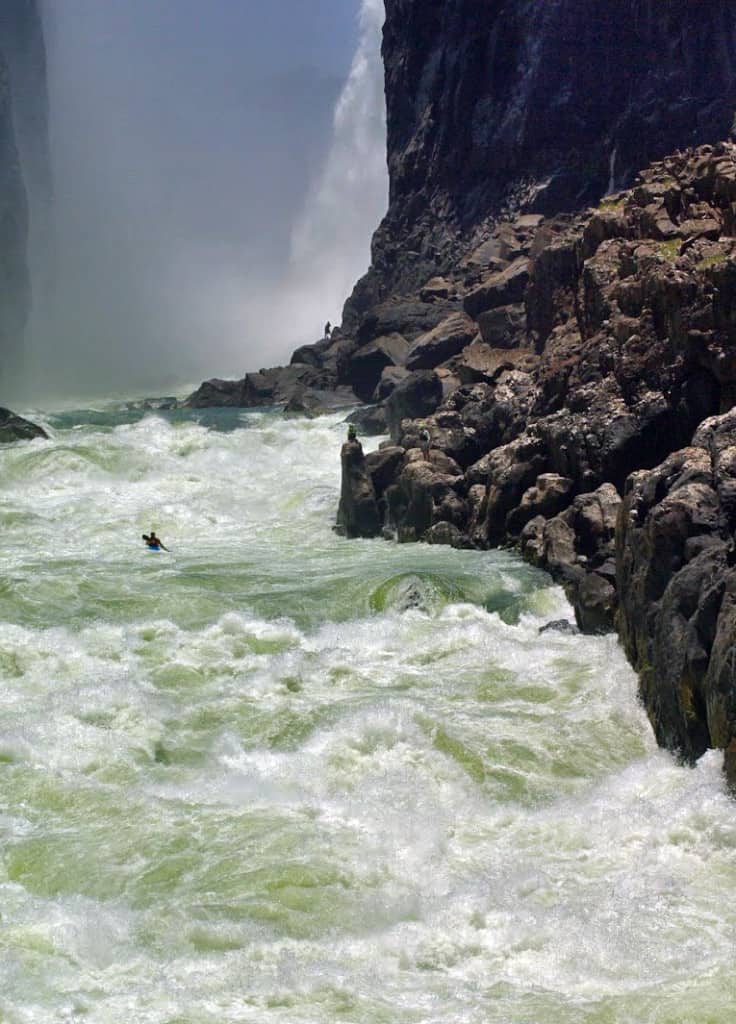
(15, 428)
(542, 105)
(357, 515)
(677, 589)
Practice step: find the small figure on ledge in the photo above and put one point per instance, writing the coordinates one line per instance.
(328, 329)
(425, 442)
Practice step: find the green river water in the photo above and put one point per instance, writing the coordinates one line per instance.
(275, 776)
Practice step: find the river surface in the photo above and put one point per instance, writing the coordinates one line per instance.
(274, 776)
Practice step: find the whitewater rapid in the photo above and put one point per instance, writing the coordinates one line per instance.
(277, 776)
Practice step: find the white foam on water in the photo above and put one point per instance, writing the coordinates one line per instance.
(251, 782)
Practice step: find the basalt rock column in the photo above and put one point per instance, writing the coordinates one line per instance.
(541, 106)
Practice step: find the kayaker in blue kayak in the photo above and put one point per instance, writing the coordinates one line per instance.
(154, 543)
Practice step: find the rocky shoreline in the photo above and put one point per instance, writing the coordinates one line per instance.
(576, 371)
(577, 377)
(590, 424)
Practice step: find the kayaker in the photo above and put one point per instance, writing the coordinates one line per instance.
(154, 543)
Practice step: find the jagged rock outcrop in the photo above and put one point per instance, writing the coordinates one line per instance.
(358, 513)
(535, 106)
(677, 586)
(302, 386)
(630, 309)
(15, 428)
(552, 353)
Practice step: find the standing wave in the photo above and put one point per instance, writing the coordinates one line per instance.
(274, 775)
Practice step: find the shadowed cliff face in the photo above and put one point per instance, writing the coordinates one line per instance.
(24, 166)
(13, 231)
(536, 106)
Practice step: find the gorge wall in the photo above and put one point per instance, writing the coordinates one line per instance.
(495, 105)
(24, 165)
(548, 328)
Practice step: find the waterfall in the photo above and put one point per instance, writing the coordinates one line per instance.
(330, 247)
(612, 171)
(210, 220)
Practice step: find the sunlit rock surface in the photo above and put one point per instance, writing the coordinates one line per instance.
(540, 106)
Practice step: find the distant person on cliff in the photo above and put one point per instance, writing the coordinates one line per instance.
(352, 433)
(153, 542)
(425, 442)
(328, 329)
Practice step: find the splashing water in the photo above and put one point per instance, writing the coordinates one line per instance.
(332, 236)
(276, 776)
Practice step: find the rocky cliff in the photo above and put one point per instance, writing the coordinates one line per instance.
(24, 162)
(498, 105)
(591, 422)
(573, 357)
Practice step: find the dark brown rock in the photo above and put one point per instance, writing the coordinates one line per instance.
(444, 341)
(405, 316)
(367, 363)
(358, 514)
(15, 428)
(415, 396)
(504, 327)
(503, 288)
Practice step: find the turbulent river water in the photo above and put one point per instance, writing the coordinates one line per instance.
(276, 776)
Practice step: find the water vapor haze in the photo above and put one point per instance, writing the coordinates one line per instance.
(218, 171)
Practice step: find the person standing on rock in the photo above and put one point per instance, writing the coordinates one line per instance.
(352, 433)
(425, 443)
(328, 329)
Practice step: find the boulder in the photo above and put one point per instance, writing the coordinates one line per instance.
(391, 376)
(549, 495)
(504, 288)
(416, 396)
(447, 534)
(594, 602)
(357, 514)
(370, 420)
(436, 288)
(275, 386)
(674, 580)
(384, 467)
(444, 341)
(504, 327)
(420, 492)
(367, 363)
(312, 355)
(318, 402)
(404, 316)
(15, 428)
(216, 393)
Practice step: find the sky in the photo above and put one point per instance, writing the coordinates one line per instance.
(191, 142)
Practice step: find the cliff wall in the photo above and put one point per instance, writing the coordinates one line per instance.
(506, 105)
(556, 378)
(24, 163)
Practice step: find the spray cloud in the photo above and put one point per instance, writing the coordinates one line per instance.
(216, 182)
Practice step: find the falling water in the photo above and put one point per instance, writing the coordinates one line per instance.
(612, 171)
(330, 242)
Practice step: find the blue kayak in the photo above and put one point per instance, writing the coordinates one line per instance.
(154, 547)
